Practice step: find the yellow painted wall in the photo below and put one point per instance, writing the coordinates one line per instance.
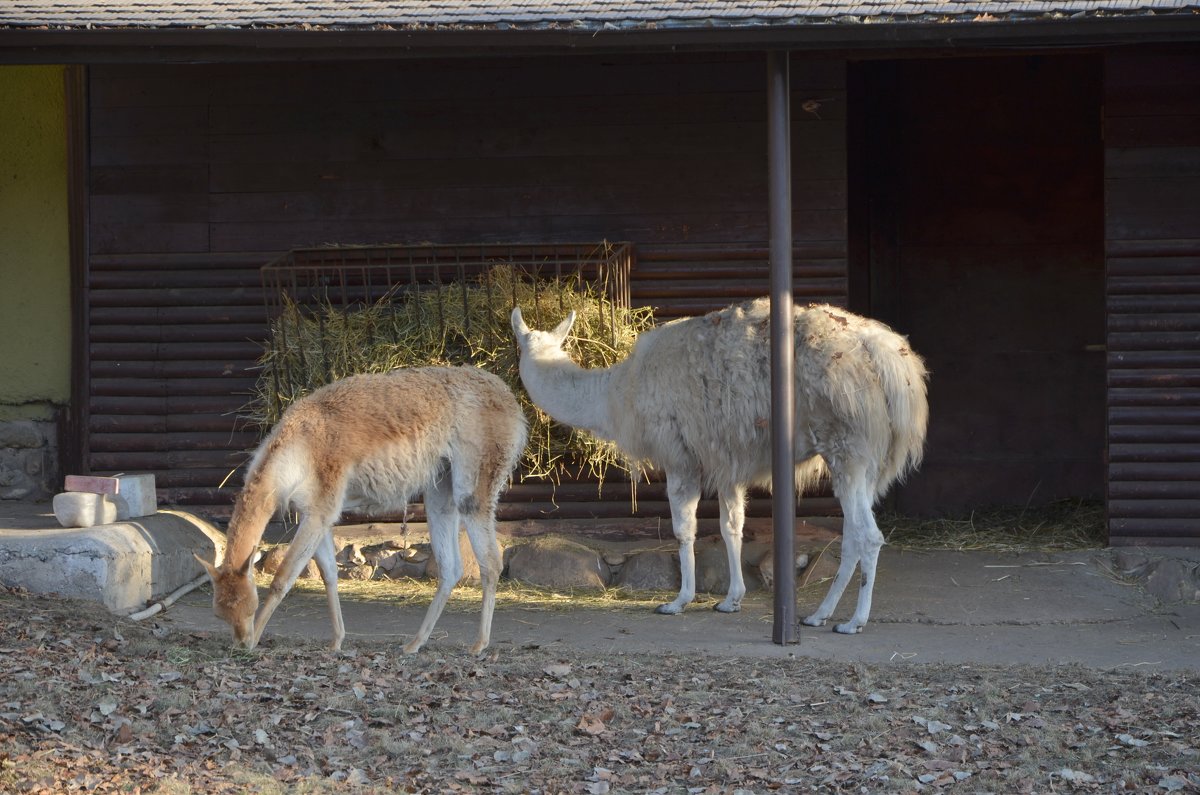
(35, 304)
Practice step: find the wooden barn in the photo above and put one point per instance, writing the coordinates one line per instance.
(1013, 184)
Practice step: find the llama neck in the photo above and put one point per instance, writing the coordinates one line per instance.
(569, 393)
(253, 509)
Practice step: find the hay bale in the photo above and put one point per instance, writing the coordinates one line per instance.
(454, 324)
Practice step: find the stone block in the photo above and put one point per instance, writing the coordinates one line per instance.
(652, 570)
(85, 509)
(273, 557)
(21, 434)
(470, 564)
(122, 565)
(766, 567)
(556, 562)
(712, 568)
(822, 566)
(1173, 580)
(134, 495)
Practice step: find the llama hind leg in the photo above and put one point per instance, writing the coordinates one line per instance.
(481, 530)
(861, 541)
(733, 517)
(684, 493)
(868, 543)
(443, 537)
(326, 558)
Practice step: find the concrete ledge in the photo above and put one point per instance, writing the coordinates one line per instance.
(123, 565)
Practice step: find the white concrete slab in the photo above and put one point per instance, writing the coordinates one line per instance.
(123, 565)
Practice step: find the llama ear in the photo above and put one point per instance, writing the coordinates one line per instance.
(564, 328)
(210, 568)
(518, 323)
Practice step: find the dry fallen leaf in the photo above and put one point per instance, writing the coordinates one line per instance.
(590, 724)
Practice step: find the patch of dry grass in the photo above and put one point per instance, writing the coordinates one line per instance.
(509, 593)
(1068, 524)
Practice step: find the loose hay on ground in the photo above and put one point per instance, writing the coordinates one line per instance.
(1063, 525)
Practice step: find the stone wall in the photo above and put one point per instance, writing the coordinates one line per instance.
(28, 460)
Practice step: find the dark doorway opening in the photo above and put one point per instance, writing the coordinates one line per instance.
(977, 228)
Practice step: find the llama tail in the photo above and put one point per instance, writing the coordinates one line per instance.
(902, 376)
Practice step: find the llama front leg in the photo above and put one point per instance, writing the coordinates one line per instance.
(326, 558)
(443, 537)
(733, 517)
(314, 528)
(684, 493)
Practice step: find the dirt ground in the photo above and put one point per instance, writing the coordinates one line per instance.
(90, 702)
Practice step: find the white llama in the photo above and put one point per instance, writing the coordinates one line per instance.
(694, 399)
(376, 441)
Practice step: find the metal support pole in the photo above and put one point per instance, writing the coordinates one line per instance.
(783, 472)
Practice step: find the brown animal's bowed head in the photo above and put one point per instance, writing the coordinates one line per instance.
(235, 599)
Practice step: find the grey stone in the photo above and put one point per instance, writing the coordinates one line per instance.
(712, 568)
(1130, 560)
(615, 559)
(384, 554)
(1172, 580)
(822, 566)
(766, 567)
(35, 463)
(649, 571)
(21, 434)
(15, 484)
(556, 562)
(350, 555)
(402, 567)
(359, 571)
(470, 565)
(273, 557)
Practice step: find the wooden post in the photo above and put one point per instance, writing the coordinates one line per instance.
(783, 503)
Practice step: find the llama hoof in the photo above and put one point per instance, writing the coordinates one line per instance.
(412, 647)
(847, 629)
(668, 610)
(478, 649)
(813, 621)
(721, 607)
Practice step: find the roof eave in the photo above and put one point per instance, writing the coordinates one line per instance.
(232, 44)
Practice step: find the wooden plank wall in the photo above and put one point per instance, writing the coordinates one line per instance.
(1152, 162)
(202, 173)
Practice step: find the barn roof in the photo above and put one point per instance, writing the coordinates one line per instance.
(136, 31)
(527, 14)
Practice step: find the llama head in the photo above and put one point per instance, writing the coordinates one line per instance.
(235, 598)
(534, 342)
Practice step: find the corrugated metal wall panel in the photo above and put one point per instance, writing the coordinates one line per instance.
(1152, 192)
